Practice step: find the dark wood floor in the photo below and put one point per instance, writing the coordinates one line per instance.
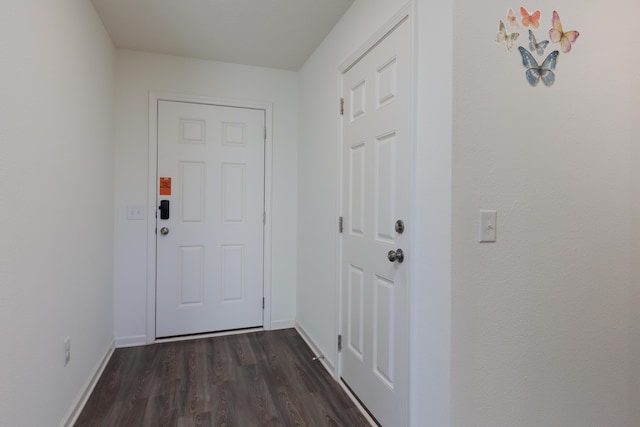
(257, 379)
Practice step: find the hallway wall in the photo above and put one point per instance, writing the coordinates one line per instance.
(137, 74)
(541, 319)
(56, 193)
(545, 322)
(634, 300)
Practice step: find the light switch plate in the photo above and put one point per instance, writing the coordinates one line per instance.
(135, 212)
(487, 232)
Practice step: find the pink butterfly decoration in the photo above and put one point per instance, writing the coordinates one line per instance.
(557, 35)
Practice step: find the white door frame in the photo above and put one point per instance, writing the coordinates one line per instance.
(406, 13)
(154, 97)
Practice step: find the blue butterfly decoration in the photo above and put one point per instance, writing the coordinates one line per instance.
(536, 72)
(534, 46)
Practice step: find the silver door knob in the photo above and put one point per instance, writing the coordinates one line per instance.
(396, 255)
(164, 231)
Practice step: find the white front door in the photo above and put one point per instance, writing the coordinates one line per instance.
(376, 157)
(209, 271)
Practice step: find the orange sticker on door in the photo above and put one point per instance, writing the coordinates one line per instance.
(165, 186)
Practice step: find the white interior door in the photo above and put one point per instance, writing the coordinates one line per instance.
(376, 194)
(209, 273)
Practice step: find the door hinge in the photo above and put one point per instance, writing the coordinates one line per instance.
(342, 106)
(340, 224)
(264, 218)
(265, 134)
(339, 342)
(263, 303)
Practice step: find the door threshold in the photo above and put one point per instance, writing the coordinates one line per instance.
(208, 335)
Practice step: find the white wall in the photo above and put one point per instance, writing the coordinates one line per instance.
(136, 75)
(431, 278)
(634, 300)
(318, 184)
(56, 193)
(540, 319)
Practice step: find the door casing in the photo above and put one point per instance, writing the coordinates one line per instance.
(154, 97)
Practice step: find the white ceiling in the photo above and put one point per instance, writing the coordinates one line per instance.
(269, 33)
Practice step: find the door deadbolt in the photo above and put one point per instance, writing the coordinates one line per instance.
(399, 226)
(164, 209)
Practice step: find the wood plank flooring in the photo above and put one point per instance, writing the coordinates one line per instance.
(257, 379)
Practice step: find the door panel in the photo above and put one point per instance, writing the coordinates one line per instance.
(210, 264)
(191, 178)
(376, 186)
(355, 320)
(191, 274)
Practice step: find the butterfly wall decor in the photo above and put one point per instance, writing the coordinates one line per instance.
(512, 19)
(530, 20)
(536, 72)
(542, 69)
(506, 37)
(534, 46)
(566, 39)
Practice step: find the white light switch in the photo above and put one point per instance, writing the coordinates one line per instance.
(487, 226)
(135, 212)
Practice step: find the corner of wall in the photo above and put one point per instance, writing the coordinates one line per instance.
(85, 392)
(322, 358)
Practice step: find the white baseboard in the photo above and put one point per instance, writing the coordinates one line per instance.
(315, 349)
(81, 400)
(131, 341)
(331, 369)
(282, 324)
